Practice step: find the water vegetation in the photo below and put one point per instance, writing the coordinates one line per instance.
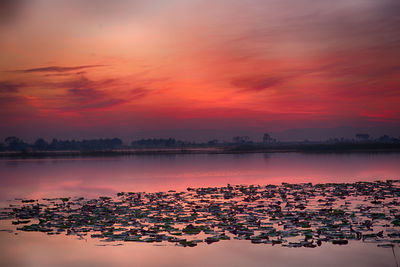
(289, 215)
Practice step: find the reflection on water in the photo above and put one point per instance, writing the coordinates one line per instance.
(39, 250)
(92, 177)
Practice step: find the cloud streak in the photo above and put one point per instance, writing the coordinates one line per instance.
(257, 84)
(84, 94)
(9, 87)
(58, 69)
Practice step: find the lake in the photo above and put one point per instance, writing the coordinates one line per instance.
(91, 177)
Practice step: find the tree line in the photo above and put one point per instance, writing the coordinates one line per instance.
(14, 143)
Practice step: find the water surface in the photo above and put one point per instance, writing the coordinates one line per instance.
(97, 176)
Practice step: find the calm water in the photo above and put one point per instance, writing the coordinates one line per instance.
(93, 177)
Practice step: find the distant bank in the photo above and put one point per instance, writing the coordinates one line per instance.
(236, 149)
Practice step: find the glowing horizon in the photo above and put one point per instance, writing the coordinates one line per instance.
(74, 68)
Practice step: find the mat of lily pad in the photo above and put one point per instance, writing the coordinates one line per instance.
(290, 215)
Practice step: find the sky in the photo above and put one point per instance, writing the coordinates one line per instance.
(197, 70)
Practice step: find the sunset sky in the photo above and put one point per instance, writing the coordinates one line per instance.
(196, 69)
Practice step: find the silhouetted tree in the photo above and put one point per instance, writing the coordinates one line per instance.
(241, 139)
(40, 144)
(267, 139)
(13, 143)
(12, 140)
(386, 139)
(170, 142)
(212, 142)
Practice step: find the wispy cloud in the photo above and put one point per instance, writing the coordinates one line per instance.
(85, 94)
(58, 68)
(9, 87)
(12, 100)
(256, 84)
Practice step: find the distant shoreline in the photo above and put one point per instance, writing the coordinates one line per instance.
(240, 149)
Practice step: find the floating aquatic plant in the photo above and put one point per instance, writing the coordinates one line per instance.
(291, 215)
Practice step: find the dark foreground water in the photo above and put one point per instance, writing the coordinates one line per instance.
(94, 177)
